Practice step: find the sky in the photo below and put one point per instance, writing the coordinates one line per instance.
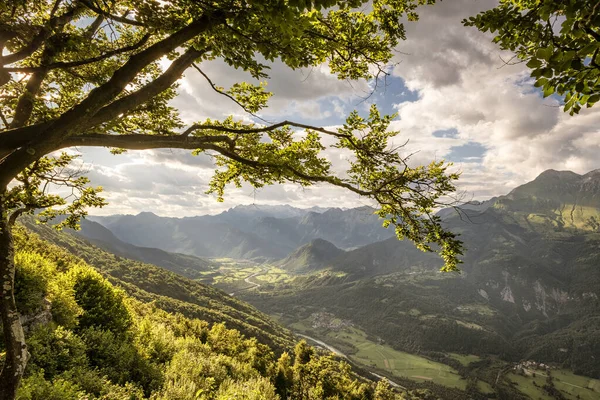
(455, 97)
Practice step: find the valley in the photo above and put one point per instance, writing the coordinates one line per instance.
(528, 289)
(347, 340)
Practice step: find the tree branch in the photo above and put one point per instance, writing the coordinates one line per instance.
(163, 82)
(41, 37)
(145, 142)
(70, 64)
(77, 119)
(220, 128)
(230, 97)
(108, 15)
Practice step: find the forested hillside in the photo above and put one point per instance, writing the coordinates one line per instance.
(90, 339)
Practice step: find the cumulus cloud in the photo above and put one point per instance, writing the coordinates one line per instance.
(455, 99)
(464, 85)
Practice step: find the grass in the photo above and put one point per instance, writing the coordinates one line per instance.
(470, 325)
(480, 309)
(525, 385)
(385, 358)
(568, 383)
(232, 273)
(403, 364)
(464, 359)
(484, 387)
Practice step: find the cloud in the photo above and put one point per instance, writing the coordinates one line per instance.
(455, 98)
(480, 113)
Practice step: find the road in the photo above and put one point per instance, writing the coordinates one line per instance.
(247, 280)
(340, 354)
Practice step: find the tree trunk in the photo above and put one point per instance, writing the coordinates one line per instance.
(16, 356)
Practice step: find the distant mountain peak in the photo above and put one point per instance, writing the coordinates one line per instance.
(146, 214)
(314, 255)
(594, 174)
(554, 174)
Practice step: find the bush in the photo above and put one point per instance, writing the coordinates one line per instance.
(54, 351)
(31, 280)
(253, 389)
(103, 305)
(35, 387)
(120, 360)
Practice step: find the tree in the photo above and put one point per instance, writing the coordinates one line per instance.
(559, 40)
(87, 73)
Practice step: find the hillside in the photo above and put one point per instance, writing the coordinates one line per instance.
(170, 291)
(312, 256)
(529, 286)
(182, 264)
(88, 339)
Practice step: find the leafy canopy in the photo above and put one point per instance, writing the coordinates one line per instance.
(559, 40)
(88, 73)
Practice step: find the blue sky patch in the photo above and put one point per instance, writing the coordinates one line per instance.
(469, 152)
(446, 133)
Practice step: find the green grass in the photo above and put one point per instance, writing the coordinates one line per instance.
(464, 359)
(233, 272)
(470, 325)
(484, 387)
(363, 351)
(480, 309)
(396, 362)
(525, 385)
(568, 383)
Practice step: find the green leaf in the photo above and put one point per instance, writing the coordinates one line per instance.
(534, 63)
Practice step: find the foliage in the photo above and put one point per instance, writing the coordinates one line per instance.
(55, 350)
(102, 305)
(35, 182)
(94, 78)
(121, 348)
(35, 387)
(559, 40)
(32, 272)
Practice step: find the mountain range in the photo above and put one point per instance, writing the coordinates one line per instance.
(530, 275)
(529, 286)
(248, 232)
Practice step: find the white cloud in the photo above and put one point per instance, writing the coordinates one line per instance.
(461, 83)
(464, 84)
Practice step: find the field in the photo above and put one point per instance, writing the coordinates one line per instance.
(464, 359)
(399, 363)
(234, 276)
(383, 358)
(569, 384)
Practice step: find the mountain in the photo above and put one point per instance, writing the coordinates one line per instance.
(344, 228)
(250, 232)
(558, 199)
(186, 265)
(311, 256)
(529, 283)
